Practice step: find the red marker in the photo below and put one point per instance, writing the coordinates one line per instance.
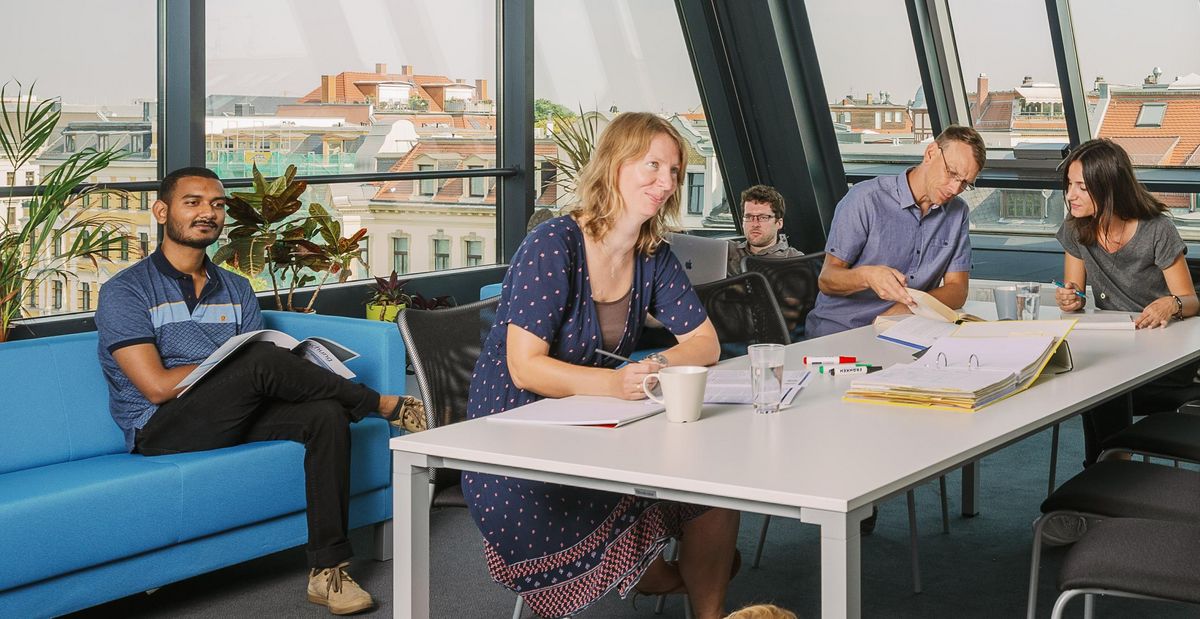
(821, 360)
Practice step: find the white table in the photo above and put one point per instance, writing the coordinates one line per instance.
(822, 461)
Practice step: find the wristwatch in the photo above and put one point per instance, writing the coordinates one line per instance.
(1178, 315)
(658, 358)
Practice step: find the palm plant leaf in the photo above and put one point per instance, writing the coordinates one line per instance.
(25, 128)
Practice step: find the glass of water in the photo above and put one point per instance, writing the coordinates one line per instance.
(1029, 299)
(766, 376)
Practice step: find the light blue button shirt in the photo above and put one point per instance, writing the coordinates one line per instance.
(879, 223)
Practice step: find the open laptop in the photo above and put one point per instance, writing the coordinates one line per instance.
(703, 259)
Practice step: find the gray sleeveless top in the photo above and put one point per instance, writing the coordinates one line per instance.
(613, 316)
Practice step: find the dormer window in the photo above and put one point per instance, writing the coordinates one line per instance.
(1151, 115)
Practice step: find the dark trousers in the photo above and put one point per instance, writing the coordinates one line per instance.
(266, 393)
(1167, 393)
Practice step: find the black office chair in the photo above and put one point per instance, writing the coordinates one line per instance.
(1132, 557)
(1118, 489)
(444, 347)
(743, 312)
(794, 282)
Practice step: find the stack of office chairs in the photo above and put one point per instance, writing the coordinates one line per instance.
(794, 282)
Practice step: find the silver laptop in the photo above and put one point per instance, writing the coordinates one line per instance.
(703, 259)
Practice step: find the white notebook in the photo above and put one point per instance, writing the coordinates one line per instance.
(1105, 321)
(580, 410)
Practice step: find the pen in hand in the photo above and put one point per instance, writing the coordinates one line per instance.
(614, 356)
(1078, 293)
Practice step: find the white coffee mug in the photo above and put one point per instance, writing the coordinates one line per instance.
(683, 391)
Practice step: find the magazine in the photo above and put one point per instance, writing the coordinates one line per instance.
(321, 351)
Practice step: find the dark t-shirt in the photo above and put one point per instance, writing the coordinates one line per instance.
(1130, 278)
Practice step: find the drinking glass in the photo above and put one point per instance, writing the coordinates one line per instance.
(766, 376)
(1029, 300)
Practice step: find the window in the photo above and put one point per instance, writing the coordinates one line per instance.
(144, 200)
(104, 199)
(11, 220)
(124, 201)
(85, 297)
(478, 184)
(56, 286)
(1037, 212)
(31, 295)
(634, 57)
(10, 178)
(474, 253)
(364, 256)
(1151, 115)
(29, 178)
(125, 248)
(144, 243)
(695, 193)
(872, 65)
(1017, 204)
(428, 185)
(549, 176)
(1011, 97)
(400, 255)
(57, 243)
(441, 254)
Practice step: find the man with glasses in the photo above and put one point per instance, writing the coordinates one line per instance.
(762, 219)
(896, 232)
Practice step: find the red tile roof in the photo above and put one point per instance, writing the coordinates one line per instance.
(346, 90)
(1181, 122)
(1147, 150)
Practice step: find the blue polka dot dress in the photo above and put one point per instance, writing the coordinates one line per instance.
(562, 548)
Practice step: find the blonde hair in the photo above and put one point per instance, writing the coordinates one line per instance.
(627, 137)
(762, 611)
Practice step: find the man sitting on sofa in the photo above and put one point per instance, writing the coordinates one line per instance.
(161, 317)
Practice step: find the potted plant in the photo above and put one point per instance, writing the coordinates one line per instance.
(387, 298)
(269, 234)
(56, 228)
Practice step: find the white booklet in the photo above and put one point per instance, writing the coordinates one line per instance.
(1105, 321)
(321, 351)
(580, 410)
(733, 386)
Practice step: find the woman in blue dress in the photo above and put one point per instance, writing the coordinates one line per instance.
(579, 283)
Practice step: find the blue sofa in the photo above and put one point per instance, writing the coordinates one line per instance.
(82, 522)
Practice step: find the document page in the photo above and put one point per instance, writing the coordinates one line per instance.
(917, 332)
(733, 386)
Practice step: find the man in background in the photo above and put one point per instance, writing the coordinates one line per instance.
(762, 220)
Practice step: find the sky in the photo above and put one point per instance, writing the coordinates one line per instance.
(589, 53)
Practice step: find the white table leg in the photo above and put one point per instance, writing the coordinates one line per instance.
(410, 513)
(841, 561)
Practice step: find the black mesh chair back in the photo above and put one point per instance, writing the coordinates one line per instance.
(444, 345)
(794, 282)
(744, 312)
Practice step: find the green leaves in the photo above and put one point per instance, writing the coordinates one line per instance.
(25, 126)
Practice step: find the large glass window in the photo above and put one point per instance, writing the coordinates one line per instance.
(1011, 83)
(871, 78)
(441, 254)
(99, 109)
(400, 255)
(1144, 91)
(355, 87)
(601, 58)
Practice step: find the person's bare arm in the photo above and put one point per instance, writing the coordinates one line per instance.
(532, 368)
(1179, 281)
(953, 291)
(839, 279)
(696, 347)
(142, 364)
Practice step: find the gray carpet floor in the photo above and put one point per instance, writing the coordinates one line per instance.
(979, 570)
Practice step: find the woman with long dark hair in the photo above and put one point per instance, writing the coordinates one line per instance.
(1119, 238)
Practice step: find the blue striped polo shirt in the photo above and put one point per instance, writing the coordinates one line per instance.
(152, 302)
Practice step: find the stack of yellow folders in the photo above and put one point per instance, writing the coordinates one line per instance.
(978, 365)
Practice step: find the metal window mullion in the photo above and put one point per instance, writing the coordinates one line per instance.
(514, 140)
(933, 36)
(1062, 38)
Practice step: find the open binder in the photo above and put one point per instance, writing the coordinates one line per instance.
(980, 364)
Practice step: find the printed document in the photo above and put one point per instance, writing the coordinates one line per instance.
(733, 386)
(321, 351)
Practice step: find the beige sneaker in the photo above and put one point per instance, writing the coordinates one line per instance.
(334, 588)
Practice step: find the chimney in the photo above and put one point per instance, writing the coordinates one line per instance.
(381, 68)
(481, 93)
(328, 89)
(981, 91)
(1027, 80)
(868, 98)
(406, 69)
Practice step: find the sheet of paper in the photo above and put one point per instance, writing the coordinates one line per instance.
(580, 410)
(733, 386)
(917, 332)
(1105, 321)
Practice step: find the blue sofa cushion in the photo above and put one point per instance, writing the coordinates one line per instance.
(72, 515)
(33, 414)
(90, 427)
(227, 488)
(381, 361)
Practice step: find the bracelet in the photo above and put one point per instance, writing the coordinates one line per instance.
(658, 358)
(1178, 315)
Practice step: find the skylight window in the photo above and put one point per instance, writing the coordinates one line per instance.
(1151, 115)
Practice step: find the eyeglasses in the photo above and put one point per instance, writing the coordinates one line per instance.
(764, 219)
(965, 184)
